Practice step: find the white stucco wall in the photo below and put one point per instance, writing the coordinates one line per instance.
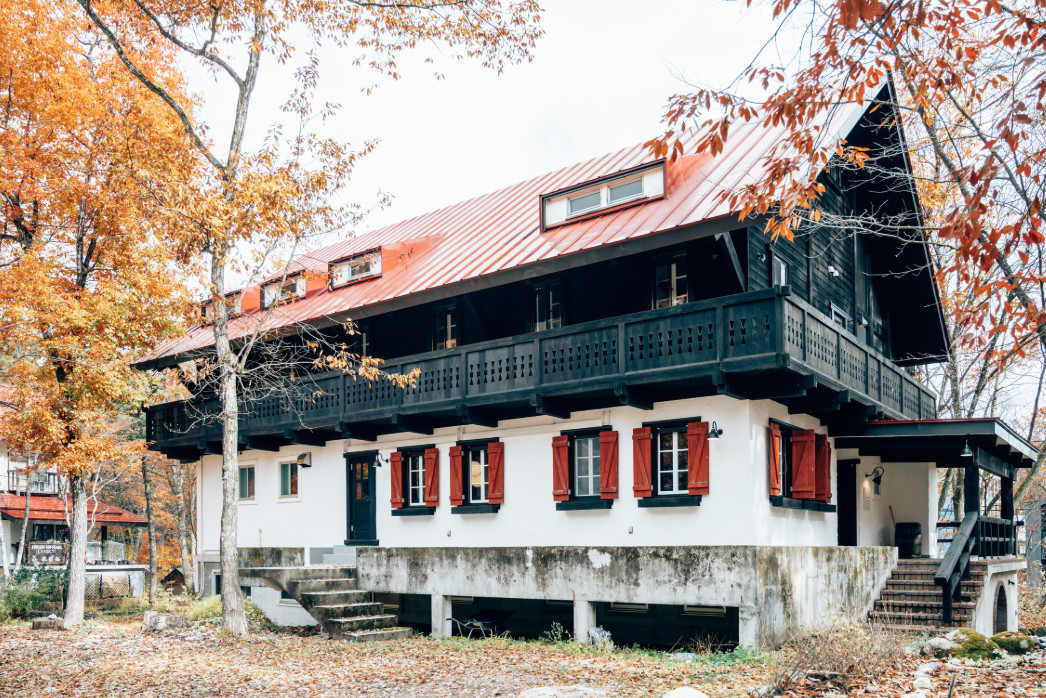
(909, 488)
(736, 512)
(1001, 574)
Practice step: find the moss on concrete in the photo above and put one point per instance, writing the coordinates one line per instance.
(1014, 643)
(973, 645)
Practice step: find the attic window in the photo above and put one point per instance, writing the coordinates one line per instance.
(355, 268)
(235, 307)
(283, 290)
(608, 193)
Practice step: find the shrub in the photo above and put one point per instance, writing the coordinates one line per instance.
(846, 649)
(206, 608)
(973, 645)
(555, 634)
(1014, 643)
(32, 590)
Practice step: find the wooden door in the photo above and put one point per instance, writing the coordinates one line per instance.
(361, 502)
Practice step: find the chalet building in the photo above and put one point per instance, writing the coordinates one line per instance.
(632, 410)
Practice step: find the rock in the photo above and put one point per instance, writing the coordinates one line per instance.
(922, 683)
(50, 623)
(929, 669)
(154, 622)
(973, 645)
(600, 638)
(685, 692)
(1014, 643)
(564, 692)
(939, 647)
(915, 694)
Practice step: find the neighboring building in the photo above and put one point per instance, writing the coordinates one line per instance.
(632, 411)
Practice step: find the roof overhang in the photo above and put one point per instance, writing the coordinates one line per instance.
(940, 441)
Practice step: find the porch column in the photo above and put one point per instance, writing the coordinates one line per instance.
(971, 494)
(584, 620)
(1006, 511)
(442, 610)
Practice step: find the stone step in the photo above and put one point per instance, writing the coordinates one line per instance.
(890, 594)
(304, 586)
(348, 610)
(904, 628)
(892, 618)
(922, 606)
(334, 598)
(361, 623)
(384, 635)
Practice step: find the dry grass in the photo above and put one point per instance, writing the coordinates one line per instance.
(1031, 600)
(839, 654)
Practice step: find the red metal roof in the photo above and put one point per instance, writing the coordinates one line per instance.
(44, 508)
(502, 230)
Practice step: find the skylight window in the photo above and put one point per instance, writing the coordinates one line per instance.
(355, 268)
(608, 193)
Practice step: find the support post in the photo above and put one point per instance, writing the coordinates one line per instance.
(972, 488)
(584, 620)
(1006, 511)
(442, 610)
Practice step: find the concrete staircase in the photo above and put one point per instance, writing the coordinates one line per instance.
(331, 596)
(911, 601)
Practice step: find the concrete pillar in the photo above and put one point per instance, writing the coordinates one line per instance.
(748, 629)
(584, 620)
(442, 610)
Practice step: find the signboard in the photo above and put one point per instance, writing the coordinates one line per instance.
(47, 553)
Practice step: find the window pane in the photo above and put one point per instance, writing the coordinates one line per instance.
(585, 202)
(626, 191)
(662, 286)
(243, 483)
(250, 483)
(293, 467)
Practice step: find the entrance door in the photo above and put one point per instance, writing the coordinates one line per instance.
(360, 479)
(846, 494)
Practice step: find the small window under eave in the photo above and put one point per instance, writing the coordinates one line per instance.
(355, 268)
(603, 195)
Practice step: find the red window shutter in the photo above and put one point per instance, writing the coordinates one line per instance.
(823, 467)
(431, 477)
(641, 470)
(774, 446)
(803, 464)
(496, 472)
(457, 476)
(561, 468)
(608, 464)
(396, 473)
(697, 457)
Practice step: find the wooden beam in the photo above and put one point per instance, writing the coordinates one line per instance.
(264, 443)
(726, 246)
(478, 415)
(633, 397)
(305, 437)
(820, 404)
(412, 423)
(550, 407)
(360, 432)
(991, 463)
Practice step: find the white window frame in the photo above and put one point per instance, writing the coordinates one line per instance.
(239, 483)
(449, 315)
(484, 473)
(546, 293)
(674, 278)
(604, 195)
(349, 270)
(838, 314)
(415, 464)
(296, 494)
(779, 263)
(278, 291)
(679, 464)
(590, 460)
(556, 207)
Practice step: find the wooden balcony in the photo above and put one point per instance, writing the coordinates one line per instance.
(761, 345)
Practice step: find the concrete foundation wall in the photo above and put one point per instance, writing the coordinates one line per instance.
(777, 589)
(1001, 575)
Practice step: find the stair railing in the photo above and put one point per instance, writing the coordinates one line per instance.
(955, 566)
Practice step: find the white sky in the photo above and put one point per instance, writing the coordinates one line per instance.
(599, 81)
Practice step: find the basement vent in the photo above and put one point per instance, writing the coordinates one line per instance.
(462, 599)
(705, 611)
(628, 608)
(559, 603)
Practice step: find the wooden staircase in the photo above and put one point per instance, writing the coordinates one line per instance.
(912, 602)
(331, 595)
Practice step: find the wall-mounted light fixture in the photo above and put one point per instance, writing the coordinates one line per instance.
(714, 431)
(877, 475)
(862, 321)
(762, 256)
(832, 271)
(305, 459)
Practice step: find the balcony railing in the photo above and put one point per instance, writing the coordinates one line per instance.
(38, 482)
(735, 335)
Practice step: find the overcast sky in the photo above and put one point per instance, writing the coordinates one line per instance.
(599, 81)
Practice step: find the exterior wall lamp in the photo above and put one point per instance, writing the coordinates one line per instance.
(832, 271)
(714, 432)
(877, 475)
(304, 460)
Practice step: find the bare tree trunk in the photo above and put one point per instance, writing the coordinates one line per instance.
(25, 528)
(5, 551)
(183, 537)
(74, 606)
(151, 529)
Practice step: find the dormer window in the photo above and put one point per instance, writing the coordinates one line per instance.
(354, 268)
(283, 290)
(603, 194)
(235, 307)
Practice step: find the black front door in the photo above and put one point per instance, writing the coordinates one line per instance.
(846, 496)
(360, 480)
